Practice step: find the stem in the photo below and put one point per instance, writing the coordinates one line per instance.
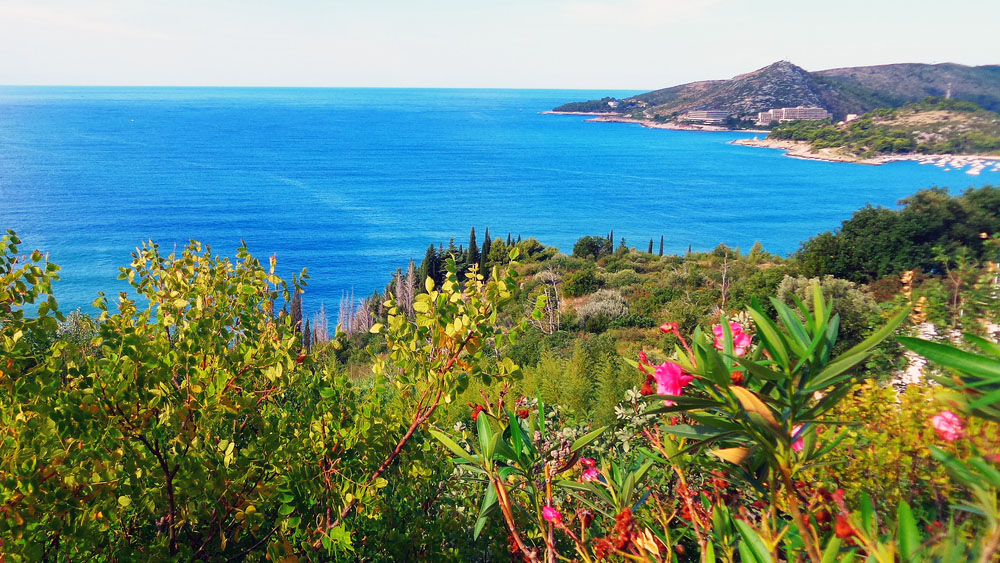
(990, 545)
(421, 417)
(508, 517)
(800, 522)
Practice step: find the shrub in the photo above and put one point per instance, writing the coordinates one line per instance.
(580, 283)
(607, 303)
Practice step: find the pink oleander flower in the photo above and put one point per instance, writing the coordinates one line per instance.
(667, 328)
(588, 462)
(948, 426)
(800, 444)
(590, 474)
(552, 515)
(741, 340)
(671, 380)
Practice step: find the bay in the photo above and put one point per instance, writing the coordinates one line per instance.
(352, 183)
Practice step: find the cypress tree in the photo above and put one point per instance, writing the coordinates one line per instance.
(518, 238)
(661, 245)
(307, 337)
(473, 248)
(508, 240)
(650, 246)
(622, 244)
(428, 268)
(297, 311)
(485, 254)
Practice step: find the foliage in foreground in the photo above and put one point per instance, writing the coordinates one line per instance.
(193, 424)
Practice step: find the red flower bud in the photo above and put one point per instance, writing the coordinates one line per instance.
(667, 328)
(843, 527)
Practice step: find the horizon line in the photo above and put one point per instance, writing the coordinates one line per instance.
(317, 87)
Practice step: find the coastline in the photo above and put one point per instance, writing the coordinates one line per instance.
(552, 112)
(802, 149)
(614, 117)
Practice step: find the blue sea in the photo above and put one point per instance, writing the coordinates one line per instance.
(352, 183)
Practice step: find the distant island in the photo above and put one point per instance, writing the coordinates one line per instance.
(858, 114)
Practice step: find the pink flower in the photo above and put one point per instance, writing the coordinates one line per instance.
(588, 462)
(741, 340)
(667, 328)
(948, 426)
(671, 380)
(590, 474)
(800, 444)
(552, 515)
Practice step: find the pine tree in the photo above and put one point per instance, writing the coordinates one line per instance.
(473, 257)
(661, 245)
(650, 246)
(622, 244)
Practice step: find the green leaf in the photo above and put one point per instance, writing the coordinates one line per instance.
(770, 337)
(485, 435)
(124, 501)
(588, 438)
(451, 445)
(906, 532)
(868, 518)
(488, 505)
(753, 542)
(832, 550)
(985, 345)
(953, 358)
(286, 509)
(695, 432)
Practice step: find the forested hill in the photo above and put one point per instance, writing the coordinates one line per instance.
(840, 91)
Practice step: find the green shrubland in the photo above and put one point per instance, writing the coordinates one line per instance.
(518, 403)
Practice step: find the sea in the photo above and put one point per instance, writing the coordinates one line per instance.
(352, 183)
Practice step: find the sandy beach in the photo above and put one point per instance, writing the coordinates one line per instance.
(974, 163)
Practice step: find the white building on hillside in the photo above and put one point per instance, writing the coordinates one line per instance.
(792, 114)
(705, 116)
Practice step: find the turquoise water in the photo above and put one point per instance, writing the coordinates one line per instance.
(351, 183)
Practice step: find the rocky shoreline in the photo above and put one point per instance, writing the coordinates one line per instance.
(975, 163)
(614, 117)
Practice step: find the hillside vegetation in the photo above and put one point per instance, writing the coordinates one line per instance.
(506, 401)
(933, 126)
(840, 91)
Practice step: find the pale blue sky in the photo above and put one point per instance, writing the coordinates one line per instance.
(602, 44)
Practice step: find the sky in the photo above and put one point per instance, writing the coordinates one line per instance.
(588, 44)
